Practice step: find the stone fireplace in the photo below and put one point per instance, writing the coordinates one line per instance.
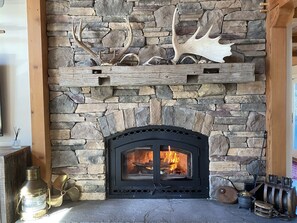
(86, 113)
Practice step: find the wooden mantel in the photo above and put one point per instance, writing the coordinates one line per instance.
(280, 13)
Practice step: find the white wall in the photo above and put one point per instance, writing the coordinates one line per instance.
(14, 72)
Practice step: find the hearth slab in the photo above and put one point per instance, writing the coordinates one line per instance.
(151, 210)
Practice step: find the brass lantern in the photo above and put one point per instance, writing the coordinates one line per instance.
(33, 196)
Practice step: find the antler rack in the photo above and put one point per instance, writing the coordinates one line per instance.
(97, 56)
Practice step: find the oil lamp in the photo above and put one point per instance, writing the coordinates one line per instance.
(33, 195)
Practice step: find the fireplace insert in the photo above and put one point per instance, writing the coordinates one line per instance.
(157, 162)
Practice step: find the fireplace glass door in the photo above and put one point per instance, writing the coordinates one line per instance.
(174, 163)
(157, 162)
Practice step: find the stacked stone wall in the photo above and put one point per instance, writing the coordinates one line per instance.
(232, 115)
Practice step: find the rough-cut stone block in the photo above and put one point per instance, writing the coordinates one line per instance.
(119, 121)
(60, 134)
(62, 104)
(60, 57)
(81, 3)
(61, 125)
(244, 134)
(58, 41)
(90, 156)
(256, 29)
(230, 120)
(251, 152)
(123, 106)
(146, 90)
(228, 107)
(245, 15)
(68, 142)
(95, 144)
(155, 112)
(134, 99)
(92, 196)
(234, 27)
(142, 116)
(164, 16)
(168, 115)
(256, 122)
(198, 122)
(224, 166)
(185, 94)
(184, 117)
(148, 52)
(253, 107)
(223, 128)
(236, 128)
(85, 130)
(245, 99)
(57, 8)
(129, 118)
(89, 186)
(66, 118)
(257, 87)
(63, 159)
(96, 169)
(218, 145)
(211, 100)
(102, 92)
(207, 125)
(90, 108)
(234, 139)
(104, 126)
(113, 8)
(255, 142)
(81, 11)
(238, 145)
(211, 89)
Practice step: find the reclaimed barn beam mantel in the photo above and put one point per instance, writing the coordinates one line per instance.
(182, 74)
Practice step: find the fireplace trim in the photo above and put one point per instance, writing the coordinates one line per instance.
(194, 142)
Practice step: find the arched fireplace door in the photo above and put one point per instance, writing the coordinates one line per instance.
(157, 162)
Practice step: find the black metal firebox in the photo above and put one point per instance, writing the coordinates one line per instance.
(157, 162)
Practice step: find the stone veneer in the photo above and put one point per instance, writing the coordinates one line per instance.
(232, 115)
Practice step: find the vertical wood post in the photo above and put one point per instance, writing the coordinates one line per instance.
(278, 17)
(37, 38)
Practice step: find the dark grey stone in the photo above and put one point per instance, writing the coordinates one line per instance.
(168, 115)
(111, 123)
(148, 52)
(256, 122)
(80, 3)
(230, 120)
(102, 92)
(248, 99)
(142, 116)
(201, 107)
(60, 57)
(256, 167)
(121, 92)
(75, 90)
(85, 130)
(164, 16)
(77, 98)
(214, 18)
(256, 29)
(190, 8)
(113, 7)
(61, 125)
(134, 99)
(104, 126)
(253, 107)
(63, 159)
(210, 100)
(184, 117)
(249, 5)
(164, 92)
(62, 104)
(154, 2)
(114, 39)
(218, 145)
(259, 65)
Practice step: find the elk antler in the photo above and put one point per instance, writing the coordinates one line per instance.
(79, 42)
(97, 56)
(205, 46)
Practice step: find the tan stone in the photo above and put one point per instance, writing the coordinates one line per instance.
(58, 41)
(129, 117)
(119, 121)
(146, 90)
(66, 118)
(95, 169)
(252, 152)
(123, 106)
(166, 102)
(95, 144)
(85, 90)
(112, 99)
(224, 166)
(81, 11)
(156, 34)
(207, 125)
(54, 94)
(185, 94)
(119, 25)
(92, 196)
(85, 108)
(198, 123)
(155, 112)
(69, 142)
(257, 87)
(152, 40)
(177, 87)
(60, 134)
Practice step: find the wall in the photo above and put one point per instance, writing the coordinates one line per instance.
(14, 72)
(235, 113)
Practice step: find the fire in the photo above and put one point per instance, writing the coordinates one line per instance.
(171, 158)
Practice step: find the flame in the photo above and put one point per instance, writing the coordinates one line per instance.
(171, 158)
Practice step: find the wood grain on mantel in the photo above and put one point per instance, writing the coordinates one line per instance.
(183, 74)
